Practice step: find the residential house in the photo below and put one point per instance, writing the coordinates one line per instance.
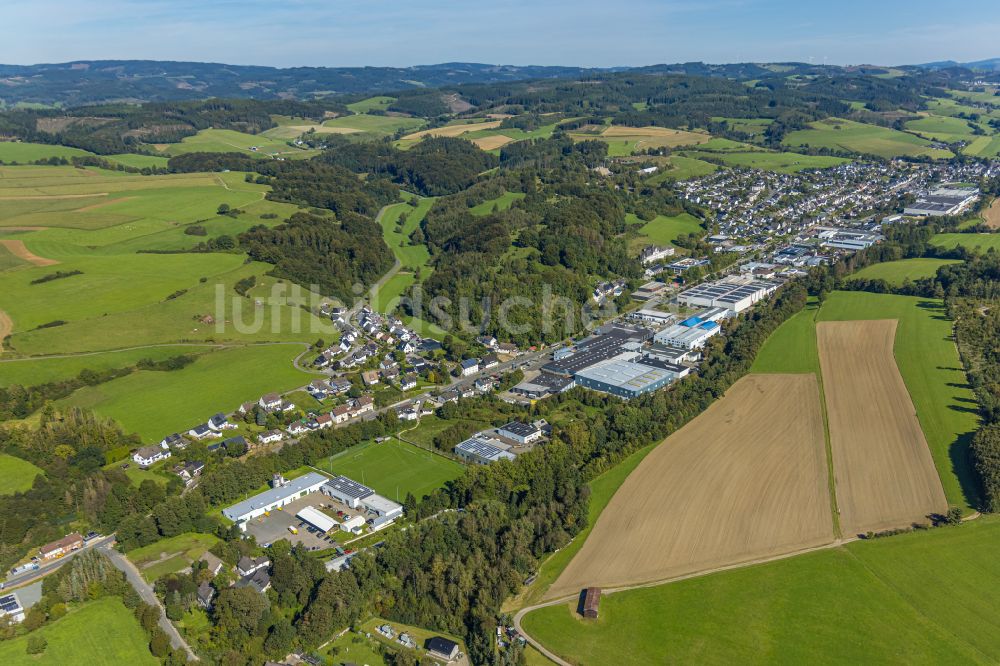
(318, 389)
(324, 421)
(364, 404)
(489, 361)
(487, 341)
(339, 386)
(174, 441)
(206, 593)
(258, 580)
(270, 437)
(64, 546)
(271, 402)
(11, 608)
(148, 455)
(469, 366)
(212, 563)
(408, 382)
(220, 422)
(248, 565)
(202, 431)
(370, 377)
(341, 413)
(442, 648)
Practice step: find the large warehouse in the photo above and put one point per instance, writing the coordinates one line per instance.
(347, 491)
(276, 497)
(942, 201)
(733, 294)
(626, 379)
(689, 334)
(482, 450)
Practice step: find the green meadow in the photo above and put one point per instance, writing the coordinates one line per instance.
(377, 125)
(980, 242)
(919, 598)
(663, 229)
(16, 475)
(768, 161)
(394, 468)
(942, 128)
(170, 555)
(377, 103)
(862, 138)
(157, 403)
(228, 141)
(927, 359)
(410, 256)
(897, 272)
(41, 370)
(679, 167)
(99, 633)
(503, 202)
(23, 153)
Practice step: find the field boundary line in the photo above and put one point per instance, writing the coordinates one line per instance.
(827, 443)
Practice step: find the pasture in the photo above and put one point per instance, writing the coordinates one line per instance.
(18, 152)
(898, 272)
(376, 125)
(980, 242)
(377, 103)
(857, 137)
(943, 128)
(16, 474)
(157, 403)
(394, 468)
(768, 161)
(624, 141)
(885, 476)
(679, 167)
(140, 161)
(744, 480)
(455, 129)
(410, 256)
(983, 146)
(229, 141)
(98, 633)
(503, 202)
(663, 229)
(915, 598)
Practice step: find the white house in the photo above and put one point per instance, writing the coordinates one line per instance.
(270, 436)
(148, 455)
(470, 366)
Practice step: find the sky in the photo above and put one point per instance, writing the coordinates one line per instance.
(591, 33)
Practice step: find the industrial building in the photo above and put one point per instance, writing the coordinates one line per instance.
(348, 492)
(607, 343)
(733, 294)
(522, 433)
(943, 201)
(542, 385)
(482, 450)
(11, 608)
(626, 379)
(688, 334)
(653, 316)
(317, 519)
(283, 493)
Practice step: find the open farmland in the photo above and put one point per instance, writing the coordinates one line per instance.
(980, 242)
(16, 474)
(376, 125)
(228, 141)
(861, 138)
(922, 598)
(744, 480)
(884, 472)
(663, 229)
(17, 152)
(394, 468)
(623, 140)
(991, 216)
(897, 272)
(768, 161)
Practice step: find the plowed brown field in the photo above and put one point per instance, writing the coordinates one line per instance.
(884, 472)
(18, 249)
(746, 479)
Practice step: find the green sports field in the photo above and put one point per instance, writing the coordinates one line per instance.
(664, 230)
(16, 475)
(155, 403)
(861, 138)
(897, 272)
(394, 468)
(98, 633)
(921, 598)
(927, 359)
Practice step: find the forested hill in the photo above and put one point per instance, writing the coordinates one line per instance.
(102, 81)
(96, 81)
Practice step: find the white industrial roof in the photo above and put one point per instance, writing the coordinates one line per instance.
(317, 519)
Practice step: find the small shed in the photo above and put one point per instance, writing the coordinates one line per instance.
(591, 601)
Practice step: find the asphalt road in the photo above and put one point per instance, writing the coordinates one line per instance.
(147, 594)
(49, 567)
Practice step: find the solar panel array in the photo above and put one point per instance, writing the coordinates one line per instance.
(9, 604)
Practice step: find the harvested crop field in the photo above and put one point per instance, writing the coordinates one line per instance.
(454, 130)
(492, 142)
(992, 215)
(745, 480)
(18, 249)
(884, 472)
(6, 326)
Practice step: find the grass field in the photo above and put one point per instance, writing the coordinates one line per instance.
(228, 141)
(16, 475)
(99, 633)
(983, 146)
(897, 272)
(624, 141)
(154, 404)
(942, 128)
(377, 103)
(170, 555)
(861, 138)
(928, 362)
(140, 161)
(22, 153)
(410, 256)
(678, 167)
(377, 125)
(664, 230)
(981, 242)
(780, 162)
(922, 598)
(503, 202)
(394, 468)
(31, 371)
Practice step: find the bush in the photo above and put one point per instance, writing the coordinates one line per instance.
(37, 644)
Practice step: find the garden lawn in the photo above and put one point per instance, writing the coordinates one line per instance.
(16, 475)
(98, 633)
(919, 598)
(155, 403)
(394, 468)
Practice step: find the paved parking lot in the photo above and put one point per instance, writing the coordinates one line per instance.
(268, 529)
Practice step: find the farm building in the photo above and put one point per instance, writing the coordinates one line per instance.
(688, 334)
(482, 450)
(317, 519)
(347, 491)
(626, 379)
(591, 602)
(733, 294)
(283, 493)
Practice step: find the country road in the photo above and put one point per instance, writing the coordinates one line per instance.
(145, 591)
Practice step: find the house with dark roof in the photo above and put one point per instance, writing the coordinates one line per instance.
(442, 648)
(205, 595)
(248, 565)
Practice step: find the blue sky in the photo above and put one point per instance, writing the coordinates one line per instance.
(545, 32)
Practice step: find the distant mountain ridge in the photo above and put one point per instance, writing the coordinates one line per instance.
(988, 65)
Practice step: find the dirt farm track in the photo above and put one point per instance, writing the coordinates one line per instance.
(884, 472)
(744, 480)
